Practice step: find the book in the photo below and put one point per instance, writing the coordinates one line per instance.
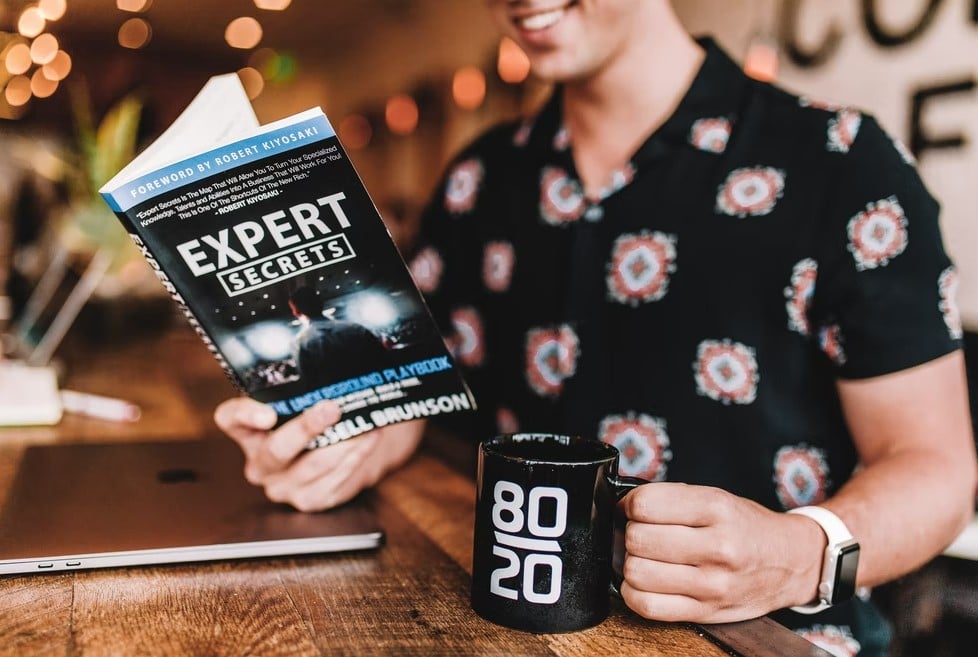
(267, 239)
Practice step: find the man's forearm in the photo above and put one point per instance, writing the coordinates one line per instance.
(905, 509)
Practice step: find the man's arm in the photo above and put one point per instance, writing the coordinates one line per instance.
(697, 553)
(916, 489)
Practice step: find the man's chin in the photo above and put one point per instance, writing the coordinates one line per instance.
(558, 70)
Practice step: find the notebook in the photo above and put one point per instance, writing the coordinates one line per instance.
(28, 395)
(80, 506)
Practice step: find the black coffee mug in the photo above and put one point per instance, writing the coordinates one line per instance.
(544, 531)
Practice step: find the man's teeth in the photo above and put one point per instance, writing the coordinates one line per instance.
(542, 21)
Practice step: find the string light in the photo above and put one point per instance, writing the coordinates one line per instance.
(33, 48)
(401, 112)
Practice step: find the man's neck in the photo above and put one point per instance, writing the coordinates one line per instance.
(611, 113)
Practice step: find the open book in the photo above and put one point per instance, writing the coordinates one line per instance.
(268, 241)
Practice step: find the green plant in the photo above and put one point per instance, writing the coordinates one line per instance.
(102, 149)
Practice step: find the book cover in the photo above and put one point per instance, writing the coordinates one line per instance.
(267, 239)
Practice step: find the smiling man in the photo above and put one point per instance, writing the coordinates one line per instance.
(746, 291)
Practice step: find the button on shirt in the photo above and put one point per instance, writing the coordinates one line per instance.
(697, 311)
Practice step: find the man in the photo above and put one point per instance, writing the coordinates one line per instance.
(746, 293)
(328, 350)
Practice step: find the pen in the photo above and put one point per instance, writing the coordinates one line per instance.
(99, 406)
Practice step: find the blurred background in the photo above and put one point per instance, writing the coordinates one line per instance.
(407, 82)
(84, 84)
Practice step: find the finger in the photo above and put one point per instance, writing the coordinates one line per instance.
(292, 437)
(344, 481)
(701, 584)
(243, 417)
(677, 544)
(673, 503)
(325, 494)
(308, 467)
(247, 422)
(667, 607)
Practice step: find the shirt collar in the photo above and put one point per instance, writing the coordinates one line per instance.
(717, 91)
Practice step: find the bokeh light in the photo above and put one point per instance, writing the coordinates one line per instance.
(401, 114)
(59, 67)
(273, 5)
(469, 87)
(134, 6)
(41, 86)
(273, 65)
(18, 59)
(135, 33)
(355, 131)
(263, 60)
(18, 91)
(52, 10)
(44, 48)
(513, 65)
(31, 22)
(244, 32)
(761, 61)
(252, 81)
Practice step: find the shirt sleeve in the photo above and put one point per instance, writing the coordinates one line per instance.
(885, 292)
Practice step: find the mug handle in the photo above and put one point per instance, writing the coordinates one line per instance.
(621, 486)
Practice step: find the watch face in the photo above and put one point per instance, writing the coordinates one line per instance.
(845, 573)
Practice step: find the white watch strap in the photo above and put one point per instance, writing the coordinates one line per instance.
(836, 532)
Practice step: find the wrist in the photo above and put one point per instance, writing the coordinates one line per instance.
(840, 561)
(809, 543)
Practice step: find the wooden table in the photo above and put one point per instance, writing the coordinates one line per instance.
(409, 597)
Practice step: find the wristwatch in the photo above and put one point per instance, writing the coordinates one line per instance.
(838, 581)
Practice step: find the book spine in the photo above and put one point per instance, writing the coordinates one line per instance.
(174, 293)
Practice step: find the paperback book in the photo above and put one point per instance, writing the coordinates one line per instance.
(268, 241)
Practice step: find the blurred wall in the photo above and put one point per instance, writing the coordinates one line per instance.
(911, 63)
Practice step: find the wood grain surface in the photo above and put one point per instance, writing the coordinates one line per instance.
(409, 597)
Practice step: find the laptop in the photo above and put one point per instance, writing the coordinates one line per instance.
(82, 506)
